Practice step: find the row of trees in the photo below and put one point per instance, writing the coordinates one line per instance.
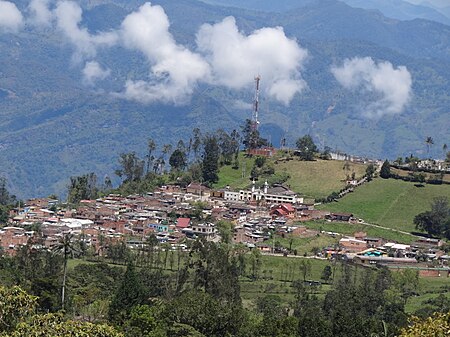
(198, 160)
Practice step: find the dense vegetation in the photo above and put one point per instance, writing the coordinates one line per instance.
(197, 293)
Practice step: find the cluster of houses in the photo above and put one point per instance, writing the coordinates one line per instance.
(427, 255)
(170, 213)
(173, 215)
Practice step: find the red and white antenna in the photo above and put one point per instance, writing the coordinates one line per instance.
(255, 120)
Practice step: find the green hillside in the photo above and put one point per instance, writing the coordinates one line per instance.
(311, 179)
(318, 179)
(390, 203)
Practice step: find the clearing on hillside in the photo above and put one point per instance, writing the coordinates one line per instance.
(318, 179)
(388, 202)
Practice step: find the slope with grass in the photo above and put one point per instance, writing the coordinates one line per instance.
(390, 203)
(318, 179)
(236, 178)
(311, 179)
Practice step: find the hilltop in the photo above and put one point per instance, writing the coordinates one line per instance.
(386, 202)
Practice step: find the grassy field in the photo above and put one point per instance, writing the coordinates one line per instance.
(276, 276)
(390, 203)
(305, 245)
(314, 179)
(429, 288)
(236, 178)
(318, 179)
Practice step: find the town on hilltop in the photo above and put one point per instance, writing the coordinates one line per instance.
(174, 216)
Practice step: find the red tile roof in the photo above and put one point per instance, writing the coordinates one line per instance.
(183, 222)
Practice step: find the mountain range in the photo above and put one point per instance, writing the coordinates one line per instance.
(72, 98)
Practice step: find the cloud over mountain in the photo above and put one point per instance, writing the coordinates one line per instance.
(93, 71)
(40, 14)
(391, 88)
(174, 69)
(235, 58)
(11, 18)
(68, 17)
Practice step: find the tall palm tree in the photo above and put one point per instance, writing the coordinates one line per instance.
(66, 248)
(151, 146)
(429, 142)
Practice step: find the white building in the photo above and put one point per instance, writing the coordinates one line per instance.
(278, 194)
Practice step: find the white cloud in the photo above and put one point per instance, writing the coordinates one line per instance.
(241, 105)
(236, 58)
(94, 71)
(68, 17)
(41, 15)
(225, 56)
(174, 69)
(11, 18)
(391, 87)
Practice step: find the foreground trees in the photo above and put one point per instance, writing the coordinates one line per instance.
(18, 319)
(199, 295)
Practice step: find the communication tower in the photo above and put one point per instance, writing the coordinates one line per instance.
(255, 120)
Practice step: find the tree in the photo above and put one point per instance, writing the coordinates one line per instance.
(129, 294)
(306, 147)
(5, 197)
(15, 305)
(251, 137)
(151, 146)
(197, 141)
(210, 163)
(385, 171)
(346, 168)
(438, 325)
(107, 183)
(17, 319)
(54, 325)
(429, 142)
(82, 187)
(132, 167)
(255, 263)
(178, 160)
(326, 273)
(167, 148)
(225, 229)
(436, 221)
(305, 268)
(444, 149)
(66, 248)
(370, 171)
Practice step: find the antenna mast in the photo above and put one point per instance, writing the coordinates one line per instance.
(255, 120)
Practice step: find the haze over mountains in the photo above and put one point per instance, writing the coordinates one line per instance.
(81, 84)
